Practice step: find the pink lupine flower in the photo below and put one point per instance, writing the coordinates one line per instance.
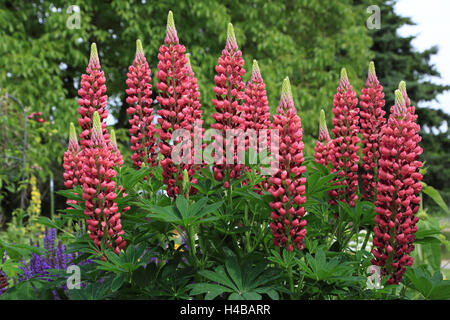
(193, 95)
(139, 92)
(99, 192)
(92, 98)
(71, 163)
(229, 91)
(255, 112)
(288, 183)
(115, 152)
(398, 196)
(323, 143)
(344, 148)
(193, 107)
(255, 109)
(175, 99)
(372, 119)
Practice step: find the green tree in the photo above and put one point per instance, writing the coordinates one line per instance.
(43, 53)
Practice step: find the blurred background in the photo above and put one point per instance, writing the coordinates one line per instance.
(44, 49)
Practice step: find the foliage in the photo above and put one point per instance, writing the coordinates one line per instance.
(225, 254)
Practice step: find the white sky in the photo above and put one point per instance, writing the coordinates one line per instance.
(432, 18)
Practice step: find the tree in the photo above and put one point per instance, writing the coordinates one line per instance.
(44, 51)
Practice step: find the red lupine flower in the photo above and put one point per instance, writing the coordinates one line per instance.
(71, 163)
(372, 119)
(255, 112)
(92, 98)
(229, 91)
(399, 188)
(323, 142)
(115, 152)
(99, 192)
(288, 183)
(143, 138)
(175, 96)
(344, 148)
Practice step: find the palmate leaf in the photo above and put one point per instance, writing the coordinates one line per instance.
(211, 290)
(243, 281)
(431, 287)
(183, 213)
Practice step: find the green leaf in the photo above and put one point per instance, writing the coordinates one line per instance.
(434, 194)
(182, 205)
(117, 282)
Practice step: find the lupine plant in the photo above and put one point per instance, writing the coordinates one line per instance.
(160, 228)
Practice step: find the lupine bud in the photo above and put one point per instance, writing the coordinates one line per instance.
(323, 142)
(344, 148)
(229, 91)
(287, 185)
(399, 187)
(372, 120)
(115, 152)
(93, 98)
(99, 191)
(178, 97)
(402, 88)
(139, 92)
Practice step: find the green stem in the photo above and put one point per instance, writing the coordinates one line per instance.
(247, 233)
(291, 281)
(192, 250)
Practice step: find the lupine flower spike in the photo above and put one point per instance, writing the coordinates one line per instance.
(193, 107)
(398, 196)
(139, 92)
(344, 148)
(323, 142)
(102, 213)
(72, 164)
(372, 120)
(229, 91)
(255, 112)
(288, 183)
(194, 92)
(175, 99)
(92, 98)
